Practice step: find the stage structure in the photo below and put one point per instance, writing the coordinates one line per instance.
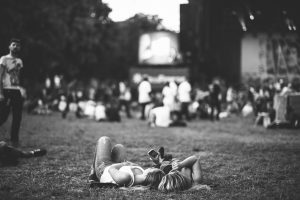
(159, 59)
(237, 39)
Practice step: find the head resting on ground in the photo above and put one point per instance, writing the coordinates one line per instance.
(173, 182)
(153, 177)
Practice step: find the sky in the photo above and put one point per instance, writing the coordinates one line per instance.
(167, 10)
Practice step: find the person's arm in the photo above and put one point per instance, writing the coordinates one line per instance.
(152, 118)
(193, 164)
(188, 163)
(21, 79)
(1, 81)
(121, 178)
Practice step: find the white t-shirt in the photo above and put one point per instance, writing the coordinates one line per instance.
(100, 112)
(173, 87)
(11, 76)
(125, 93)
(169, 97)
(162, 116)
(106, 177)
(184, 90)
(144, 89)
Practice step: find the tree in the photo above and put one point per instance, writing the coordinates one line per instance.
(74, 38)
(124, 46)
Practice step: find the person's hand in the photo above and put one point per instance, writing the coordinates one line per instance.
(156, 159)
(176, 165)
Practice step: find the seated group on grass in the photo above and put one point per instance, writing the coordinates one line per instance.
(111, 168)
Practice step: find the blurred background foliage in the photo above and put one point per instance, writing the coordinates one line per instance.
(74, 38)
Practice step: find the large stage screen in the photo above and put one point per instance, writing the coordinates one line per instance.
(158, 48)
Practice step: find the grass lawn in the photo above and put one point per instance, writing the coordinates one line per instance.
(239, 161)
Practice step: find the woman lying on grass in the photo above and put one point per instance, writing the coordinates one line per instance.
(182, 176)
(110, 167)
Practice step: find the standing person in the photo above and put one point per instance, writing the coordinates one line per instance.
(169, 95)
(215, 99)
(10, 90)
(125, 97)
(144, 90)
(184, 97)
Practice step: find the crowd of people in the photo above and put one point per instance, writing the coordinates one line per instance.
(174, 104)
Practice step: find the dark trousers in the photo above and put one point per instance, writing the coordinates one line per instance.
(127, 107)
(143, 106)
(185, 110)
(215, 105)
(67, 110)
(12, 101)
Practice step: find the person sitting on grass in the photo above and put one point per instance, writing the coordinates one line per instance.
(9, 155)
(110, 167)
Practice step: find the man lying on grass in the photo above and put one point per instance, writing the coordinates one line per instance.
(110, 168)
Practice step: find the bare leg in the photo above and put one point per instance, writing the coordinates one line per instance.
(118, 153)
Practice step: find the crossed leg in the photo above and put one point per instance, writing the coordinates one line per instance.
(105, 153)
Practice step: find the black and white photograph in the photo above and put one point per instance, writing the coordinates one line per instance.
(149, 99)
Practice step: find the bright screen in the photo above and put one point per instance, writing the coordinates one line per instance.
(158, 48)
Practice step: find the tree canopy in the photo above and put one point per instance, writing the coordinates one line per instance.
(74, 38)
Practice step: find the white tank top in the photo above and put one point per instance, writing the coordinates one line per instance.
(106, 177)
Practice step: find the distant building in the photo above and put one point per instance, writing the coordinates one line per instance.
(235, 39)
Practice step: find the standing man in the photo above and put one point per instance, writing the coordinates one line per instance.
(169, 94)
(10, 90)
(144, 90)
(125, 97)
(184, 97)
(215, 99)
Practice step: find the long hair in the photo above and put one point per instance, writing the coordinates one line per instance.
(174, 181)
(153, 178)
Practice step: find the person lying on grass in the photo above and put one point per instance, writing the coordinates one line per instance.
(179, 175)
(9, 155)
(182, 176)
(110, 167)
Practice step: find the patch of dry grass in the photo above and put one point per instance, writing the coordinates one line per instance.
(239, 161)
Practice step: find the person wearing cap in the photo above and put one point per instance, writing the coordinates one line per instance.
(10, 90)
